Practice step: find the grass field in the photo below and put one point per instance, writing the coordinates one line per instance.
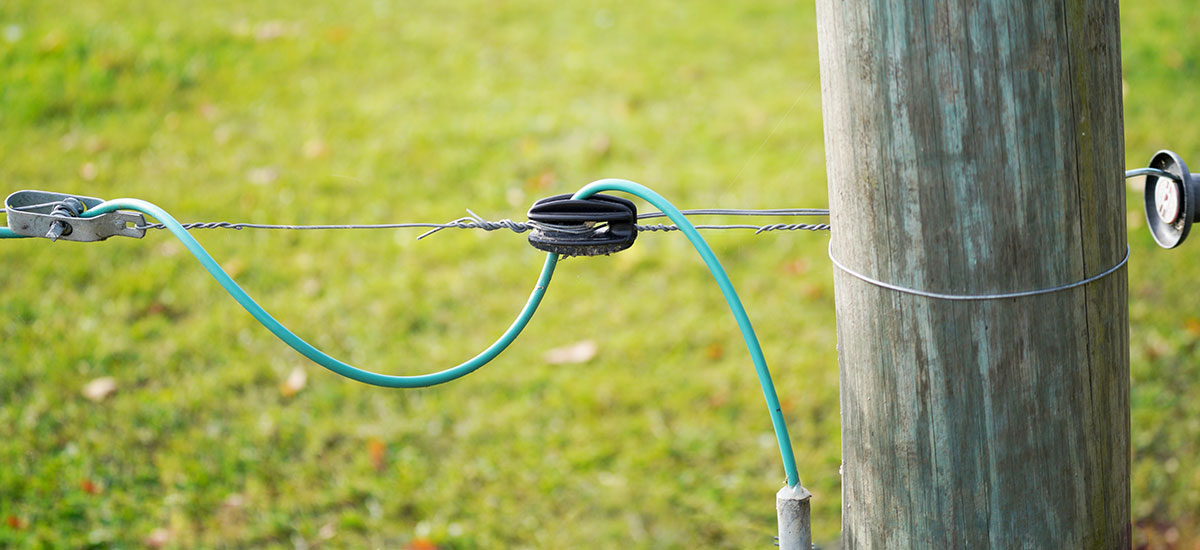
(373, 111)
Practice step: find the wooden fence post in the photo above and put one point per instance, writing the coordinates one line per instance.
(975, 147)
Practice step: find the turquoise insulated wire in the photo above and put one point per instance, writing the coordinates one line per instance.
(6, 233)
(306, 349)
(420, 381)
(735, 305)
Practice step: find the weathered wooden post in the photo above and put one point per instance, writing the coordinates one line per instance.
(975, 148)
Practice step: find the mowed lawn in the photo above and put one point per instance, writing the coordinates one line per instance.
(216, 435)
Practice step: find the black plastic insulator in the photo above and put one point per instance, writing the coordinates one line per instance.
(1171, 220)
(595, 226)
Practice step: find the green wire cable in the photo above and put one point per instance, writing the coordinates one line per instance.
(306, 349)
(6, 233)
(735, 305)
(535, 298)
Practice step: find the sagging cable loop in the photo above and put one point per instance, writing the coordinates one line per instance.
(179, 231)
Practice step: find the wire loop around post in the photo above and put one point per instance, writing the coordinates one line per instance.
(976, 297)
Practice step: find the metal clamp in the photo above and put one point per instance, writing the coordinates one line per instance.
(55, 216)
(594, 226)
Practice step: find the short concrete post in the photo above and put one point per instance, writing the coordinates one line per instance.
(795, 526)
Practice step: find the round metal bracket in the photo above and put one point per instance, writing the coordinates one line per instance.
(1170, 202)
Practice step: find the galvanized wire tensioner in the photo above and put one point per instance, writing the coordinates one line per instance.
(57, 216)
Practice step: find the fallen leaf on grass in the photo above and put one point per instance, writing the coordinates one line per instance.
(53, 41)
(230, 512)
(235, 501)
(601, 145)
(1156, 347)
(99, 389)
(1192, 325)
(337, 35)
(796, 267)
(327, 531)
(294, 383)
(263, 176)
(541, 180)
(579, 352)
(787, 405)
(209, 111)
(315, 149)
(14, 522)
(422, 544)
(234, 267)
(270, 30)
(158, 538)
(95, 144)
(88, 171)
(377, 451)
(90, 487)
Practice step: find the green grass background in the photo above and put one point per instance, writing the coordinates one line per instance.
(374, 111)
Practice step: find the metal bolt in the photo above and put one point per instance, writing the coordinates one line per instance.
(58, 229)
(69, 206)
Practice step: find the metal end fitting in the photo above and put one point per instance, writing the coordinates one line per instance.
(1170, 200)
(55, 216)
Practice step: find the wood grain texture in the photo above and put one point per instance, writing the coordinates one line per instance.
(976, 147)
